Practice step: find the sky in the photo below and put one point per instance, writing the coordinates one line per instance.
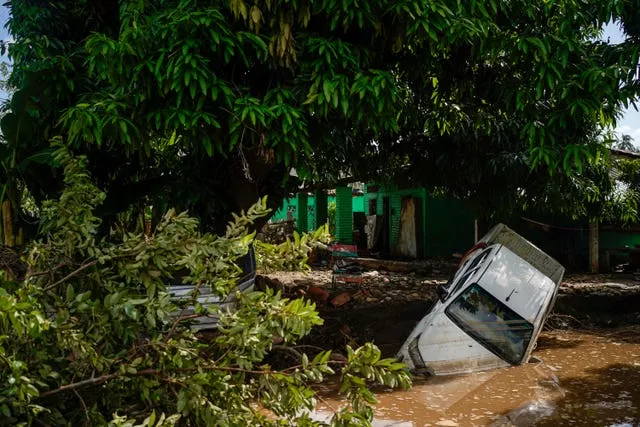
(4, 36)
(629, 123)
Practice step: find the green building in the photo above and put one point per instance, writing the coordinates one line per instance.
(417, 225)
(410, 222)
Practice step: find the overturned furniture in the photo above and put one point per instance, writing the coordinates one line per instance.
(491, 312)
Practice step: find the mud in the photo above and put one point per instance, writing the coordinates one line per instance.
(387, 305)
(582, 379)
(588, 358)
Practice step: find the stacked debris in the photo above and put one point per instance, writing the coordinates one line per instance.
(277, 232)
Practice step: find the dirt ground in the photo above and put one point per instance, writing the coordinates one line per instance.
(388, 304)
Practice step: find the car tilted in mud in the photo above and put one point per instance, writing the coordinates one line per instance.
(491, 312)
(183, 293)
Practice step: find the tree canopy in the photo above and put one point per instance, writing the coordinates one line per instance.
(208, 104)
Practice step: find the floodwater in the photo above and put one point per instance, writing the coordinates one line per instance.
(582, 379)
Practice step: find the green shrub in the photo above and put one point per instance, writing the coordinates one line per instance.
(92, 337)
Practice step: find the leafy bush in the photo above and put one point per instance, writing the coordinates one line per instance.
(91, 337)
(291, 255)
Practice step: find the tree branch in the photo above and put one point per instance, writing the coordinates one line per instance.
(70, 275)
(152, 372)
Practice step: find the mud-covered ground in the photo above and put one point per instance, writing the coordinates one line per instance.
(387, 305)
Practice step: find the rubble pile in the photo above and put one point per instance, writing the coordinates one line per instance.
(378, 287)
(388, 304)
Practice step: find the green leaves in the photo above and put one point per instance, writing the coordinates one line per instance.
(291, 255)
(114, 338)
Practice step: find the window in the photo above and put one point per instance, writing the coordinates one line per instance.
(491, 323)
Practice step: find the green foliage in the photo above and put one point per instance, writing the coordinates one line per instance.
(291, 255)
(604, 189)
(331, 217)
(625, 142)
(452, 94)
(93, 338)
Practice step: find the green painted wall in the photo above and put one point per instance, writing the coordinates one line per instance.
(344, 215)
(618, 239)
(357, 204)
(568, 240)
(302, 217)
(449, 228)
(281, 214)
(312, 211)
(447, 224)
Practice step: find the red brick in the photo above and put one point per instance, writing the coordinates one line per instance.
(341, 299)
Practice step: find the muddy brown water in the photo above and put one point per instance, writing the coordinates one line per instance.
(582, 379)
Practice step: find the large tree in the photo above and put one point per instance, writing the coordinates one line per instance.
(208, 104)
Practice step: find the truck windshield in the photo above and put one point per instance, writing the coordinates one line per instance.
(491, 323)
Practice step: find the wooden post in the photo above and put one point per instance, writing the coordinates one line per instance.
(594, 261)
(476, 236)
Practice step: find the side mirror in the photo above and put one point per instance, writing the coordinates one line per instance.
(442, 292)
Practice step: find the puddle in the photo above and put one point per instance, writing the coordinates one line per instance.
(583, 379)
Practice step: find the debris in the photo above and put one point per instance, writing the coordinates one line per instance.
(373, 273)
(360, 295)
(341, 299)
(392, 265)
(318, 294)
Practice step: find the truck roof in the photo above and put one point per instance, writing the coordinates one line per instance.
(517, 284)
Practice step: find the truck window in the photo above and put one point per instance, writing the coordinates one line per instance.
(491, 323)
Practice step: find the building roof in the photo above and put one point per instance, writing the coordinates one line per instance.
(625, 153)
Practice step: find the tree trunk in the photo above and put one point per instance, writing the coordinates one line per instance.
(594, 261)
(7, 223)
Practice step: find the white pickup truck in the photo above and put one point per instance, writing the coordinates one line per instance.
(491, 312)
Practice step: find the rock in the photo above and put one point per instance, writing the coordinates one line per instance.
(447, 423)
(385, 280)
(360, 295)
(318, 294)
(341, 299)
(303, 282)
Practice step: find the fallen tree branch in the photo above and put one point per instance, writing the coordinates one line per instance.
(153, 372)
(70, 275)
